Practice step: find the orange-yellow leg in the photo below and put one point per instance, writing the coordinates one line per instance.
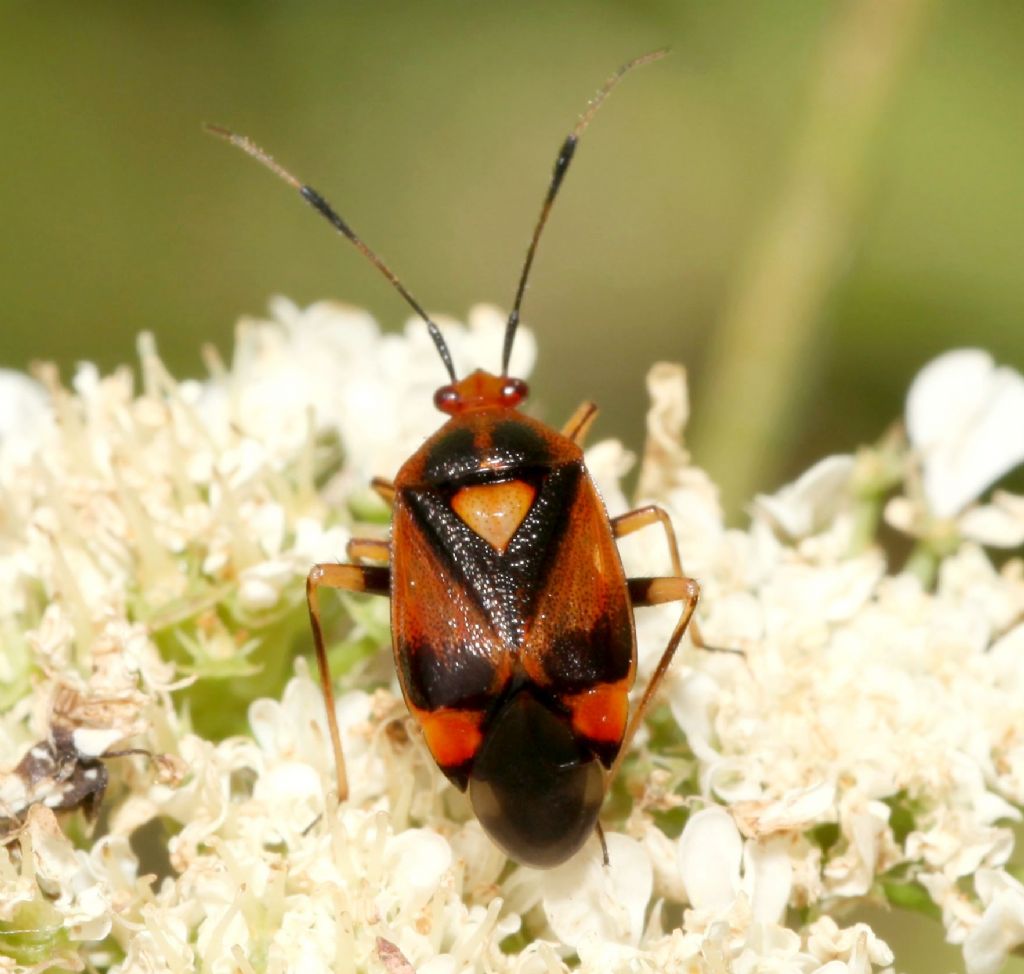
(580, 422)
(384, 489)
(643, 517)
(656, 591)
(372, 579)
(368, 549)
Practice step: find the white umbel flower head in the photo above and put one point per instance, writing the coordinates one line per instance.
(868, 740)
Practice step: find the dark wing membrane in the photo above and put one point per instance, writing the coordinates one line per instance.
(581, 634)
(446, 651)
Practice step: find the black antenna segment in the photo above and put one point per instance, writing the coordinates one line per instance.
(565, 154)
(315, 200)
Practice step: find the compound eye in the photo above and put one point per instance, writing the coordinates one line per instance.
(447, 399)
(513, 392)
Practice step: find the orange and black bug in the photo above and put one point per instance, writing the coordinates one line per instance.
(511, 614)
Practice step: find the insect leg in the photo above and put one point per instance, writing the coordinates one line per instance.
(384, 489)
(604, 844)
(655, 591)
(642, 517)
(368, 549)
(126, 752)
(580, 422)
(373, 579)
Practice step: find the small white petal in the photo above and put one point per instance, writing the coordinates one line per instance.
(268, 524)
(1002, 925)
(417, 859)
(93, 742)
(441, 964)
(260, 585)
(812, 500)
(608, 462)
(585, 901)
(315, 544)
(865, 826)
(854, 948)
(736, 778)
(901, 513)
(796, 810)
(290, 785)
(996, 525)
(767, 879)
(694, 698)
(1007, 658)
(710, 851)
(964, 417)
(24, 406)
(664, 454)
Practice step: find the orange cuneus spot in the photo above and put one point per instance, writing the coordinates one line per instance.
(599, 714)
(494, 511)
(453, 736)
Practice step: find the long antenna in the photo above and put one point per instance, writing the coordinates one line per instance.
(565, 154)
(315, 200)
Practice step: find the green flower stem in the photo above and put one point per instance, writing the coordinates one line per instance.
(766, 336)
(923, 562)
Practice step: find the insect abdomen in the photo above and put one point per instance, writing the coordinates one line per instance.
(535, 788)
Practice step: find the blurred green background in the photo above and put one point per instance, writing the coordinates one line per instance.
(804, 203)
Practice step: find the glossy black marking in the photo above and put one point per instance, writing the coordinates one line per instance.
(456, 457)
(578, 658)
(606, 751)
(534, 787)
(459, 675)
(516, 439)
(458, 774)
(504, 584)
(451, 456)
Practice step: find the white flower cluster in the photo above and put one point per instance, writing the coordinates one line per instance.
(867, 744)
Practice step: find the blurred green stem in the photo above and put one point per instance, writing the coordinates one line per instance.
(761, 347)
(923, 562)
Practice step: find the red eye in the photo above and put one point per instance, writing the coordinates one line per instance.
(447, 399)
(513, 392)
